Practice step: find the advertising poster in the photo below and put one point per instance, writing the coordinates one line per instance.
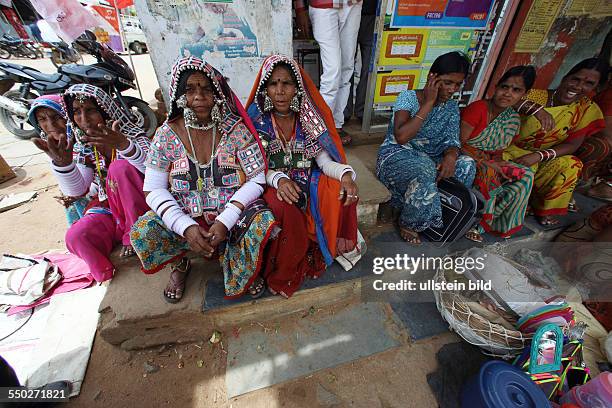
(441, 13)
(540, 19)
(391, 84)
(416, 46)
(442, 41)
(403, 47)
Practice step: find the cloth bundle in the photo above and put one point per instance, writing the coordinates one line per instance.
(23, 280)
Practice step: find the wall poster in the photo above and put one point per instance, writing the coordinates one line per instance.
(540, 19)
(391, 84)
(441, 13)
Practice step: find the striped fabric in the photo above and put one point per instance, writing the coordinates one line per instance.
(336, 4)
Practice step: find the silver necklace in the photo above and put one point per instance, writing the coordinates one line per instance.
(200, 183)
(195, 125)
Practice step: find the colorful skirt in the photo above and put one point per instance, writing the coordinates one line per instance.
(296, 254)
(506, 201)
(553, 183)
(240, 257)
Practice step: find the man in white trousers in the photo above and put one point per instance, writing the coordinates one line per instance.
(335, 25)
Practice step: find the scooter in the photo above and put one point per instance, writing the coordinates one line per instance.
(111, 73)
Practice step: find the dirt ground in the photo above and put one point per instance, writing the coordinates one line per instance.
(193, 375)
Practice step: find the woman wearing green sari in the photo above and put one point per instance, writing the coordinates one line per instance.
(487, 128)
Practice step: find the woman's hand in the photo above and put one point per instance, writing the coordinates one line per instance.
(199, 240)
(446, 168)
(348, 189)
(60, 151)
(288, 191)
(528, 160)
(303, 23)
(497, 166)
(104, 136)
(546, 120)
(430, 92)
(218, 233)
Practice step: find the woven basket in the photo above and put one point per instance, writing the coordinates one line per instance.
(493, 338)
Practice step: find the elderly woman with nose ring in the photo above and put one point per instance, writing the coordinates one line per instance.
(204, 178)
(311, 189)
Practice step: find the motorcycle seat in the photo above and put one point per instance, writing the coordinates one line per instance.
(41, 76)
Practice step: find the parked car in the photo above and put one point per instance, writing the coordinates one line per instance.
(134, 36)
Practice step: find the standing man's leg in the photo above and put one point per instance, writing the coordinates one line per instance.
(325, 29)
(350, 18)
(366, 42)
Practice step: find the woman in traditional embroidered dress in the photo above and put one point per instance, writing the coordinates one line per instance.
(48, 116)
(422, 147)
(311, 188)
(549, 150)
(487, 128)
(209, 153)
(109, 152)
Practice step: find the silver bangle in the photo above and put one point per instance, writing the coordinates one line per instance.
(541, 155)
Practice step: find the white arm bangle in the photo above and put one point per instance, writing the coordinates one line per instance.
(155, 179)
(279, 176)
(273, 176)
(164, 205)
(249, 191)
(331, 168)
(229, 217)
(127, 150)
(177, 220)
(70, 180)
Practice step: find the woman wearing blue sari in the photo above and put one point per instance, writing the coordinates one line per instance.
(422, 147)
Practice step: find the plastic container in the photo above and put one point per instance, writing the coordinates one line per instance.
(601, 386)
(499, 384)
(596, 393)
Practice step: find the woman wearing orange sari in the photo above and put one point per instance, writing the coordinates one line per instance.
(311, 189)
(550, 152)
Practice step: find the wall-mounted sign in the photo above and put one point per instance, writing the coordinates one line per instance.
(391, 84)
(441, 13)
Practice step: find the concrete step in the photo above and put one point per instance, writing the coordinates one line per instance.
(134, 314)
(372, 192)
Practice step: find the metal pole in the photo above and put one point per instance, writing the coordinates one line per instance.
(123, 40)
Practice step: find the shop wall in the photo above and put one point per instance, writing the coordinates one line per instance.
(570, 39)
(232, 35)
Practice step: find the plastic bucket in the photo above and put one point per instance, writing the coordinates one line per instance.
(499, 384)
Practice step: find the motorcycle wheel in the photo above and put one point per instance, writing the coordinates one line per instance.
(5, 54)
(141, 114)
(17, 125)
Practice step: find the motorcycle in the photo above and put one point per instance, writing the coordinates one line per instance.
(110, 73)
(16, 47)
(62, 53)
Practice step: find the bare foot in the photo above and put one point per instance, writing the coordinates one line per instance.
(127, 251)
(547, 221)
(474, 235)
(176, 285)
(410, 236)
